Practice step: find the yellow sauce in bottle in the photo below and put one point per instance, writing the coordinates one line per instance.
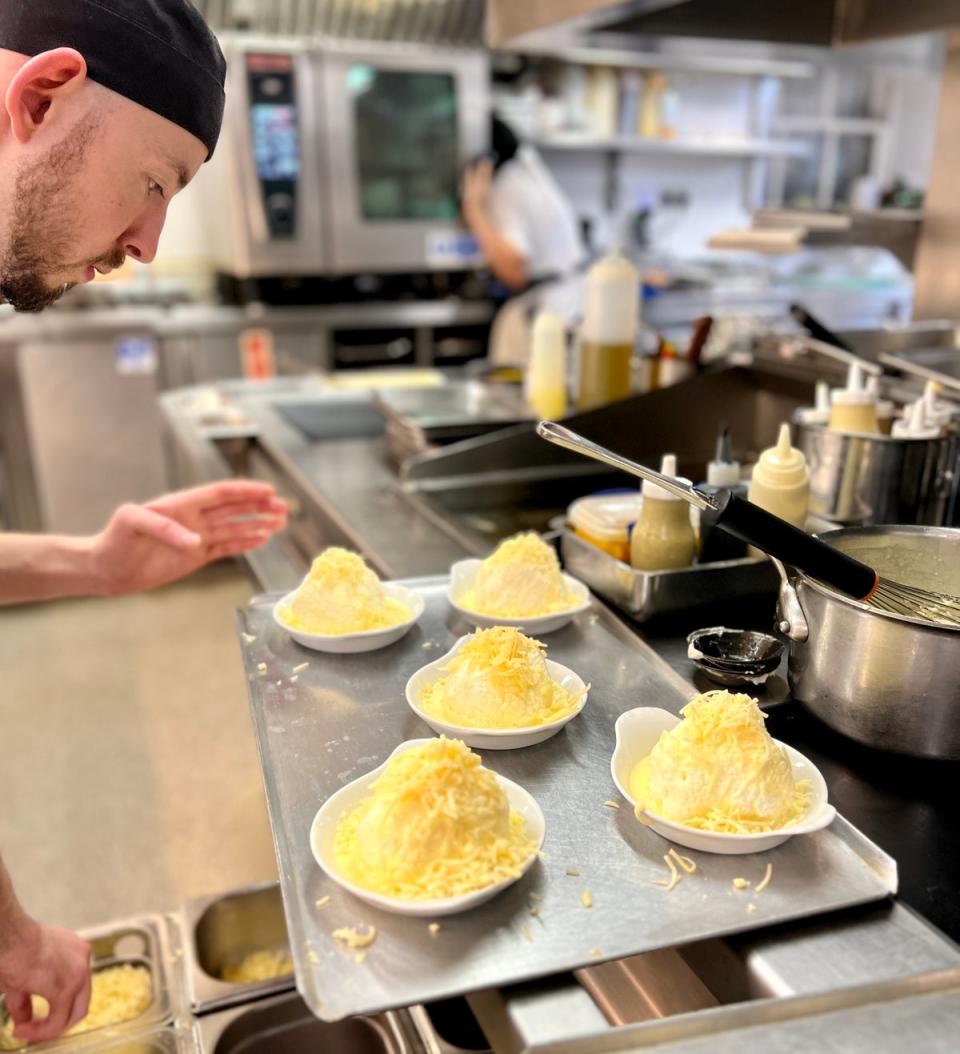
(604, 374)
(854, 417)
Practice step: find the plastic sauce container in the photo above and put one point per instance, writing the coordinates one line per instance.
(663, 539)
(605, 520)
(546, 380)
(781, 481)
(854, 408)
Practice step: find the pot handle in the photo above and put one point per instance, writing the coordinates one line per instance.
(793, 622)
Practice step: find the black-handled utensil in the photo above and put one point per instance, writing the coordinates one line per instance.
(778, 538)
(816, 328)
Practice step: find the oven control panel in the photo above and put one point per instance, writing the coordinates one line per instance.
(275, 137)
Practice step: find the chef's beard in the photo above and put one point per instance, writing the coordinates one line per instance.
(45, 211)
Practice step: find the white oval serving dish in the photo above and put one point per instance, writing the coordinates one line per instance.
(462, 576)
(493, 738)
(353, 643)
(638, 731)
(325, 822)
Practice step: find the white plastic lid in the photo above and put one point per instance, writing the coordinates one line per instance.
(819, 413)
(854, 394)
(936, 412)
(723, 473)
(606, 516)
(611, 303)
(668, 466)
(782, 465)
(885, 408)
(914, 424)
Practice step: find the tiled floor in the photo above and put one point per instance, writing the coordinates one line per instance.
(128, 772)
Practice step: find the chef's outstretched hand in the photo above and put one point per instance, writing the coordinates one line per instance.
(144, 546)
(53, 963)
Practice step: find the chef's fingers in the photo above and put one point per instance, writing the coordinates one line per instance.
(232, 529)
(141, 520)
(81, 1003)
(36, 1031)
(19, 1006)
(232, 510)
(228, 490)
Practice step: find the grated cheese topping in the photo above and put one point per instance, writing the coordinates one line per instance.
(435, 824)
(352, 937)
(342, 595)
(498, 679)
(719, 770)
(264, 964)
(521, 578)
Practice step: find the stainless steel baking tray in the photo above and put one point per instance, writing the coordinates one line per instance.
(646, 594)
(419, 419)
(150, 941)
(222, 928)
(344, 714)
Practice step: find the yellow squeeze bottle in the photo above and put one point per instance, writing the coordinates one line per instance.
(854, 408)
(781, 481)
(546, 380)
(663, 537)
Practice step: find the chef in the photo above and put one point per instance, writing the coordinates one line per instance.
(107, 110)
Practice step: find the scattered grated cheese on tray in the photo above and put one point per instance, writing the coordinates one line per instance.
(353, 938)
(612, 804)
(586, 899)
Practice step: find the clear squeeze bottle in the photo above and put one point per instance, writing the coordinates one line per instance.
(608, 332)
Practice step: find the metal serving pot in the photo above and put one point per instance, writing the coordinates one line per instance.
(859, 479)
(885, 680)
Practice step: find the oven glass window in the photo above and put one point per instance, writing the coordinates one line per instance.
(406, 143)
(275, 144)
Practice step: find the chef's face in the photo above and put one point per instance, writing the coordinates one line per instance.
(96, 196)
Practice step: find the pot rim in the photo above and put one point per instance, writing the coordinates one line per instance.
(948, 533)
(870, 437)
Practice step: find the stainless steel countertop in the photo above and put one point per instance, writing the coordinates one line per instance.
(883, 955)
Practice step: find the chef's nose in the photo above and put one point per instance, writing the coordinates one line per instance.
(141, 238)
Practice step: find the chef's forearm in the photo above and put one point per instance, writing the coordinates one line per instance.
(505, 260)
(42, 567)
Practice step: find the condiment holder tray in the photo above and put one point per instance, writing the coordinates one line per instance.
(647, 594)
(323, 720)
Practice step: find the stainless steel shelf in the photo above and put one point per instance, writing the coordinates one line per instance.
(730, 65)
(671, 147)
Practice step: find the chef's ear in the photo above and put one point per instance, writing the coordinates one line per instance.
(39, 84)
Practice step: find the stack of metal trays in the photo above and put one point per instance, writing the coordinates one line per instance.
(321, 721)
(420, 419)
(152, 943)
(647, 594)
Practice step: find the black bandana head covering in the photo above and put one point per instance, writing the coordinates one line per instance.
(159, 53)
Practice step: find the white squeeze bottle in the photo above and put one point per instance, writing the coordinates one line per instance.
(781, 481)
(546, 380)
(854, 408)
(608, 332)
(663, 537)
